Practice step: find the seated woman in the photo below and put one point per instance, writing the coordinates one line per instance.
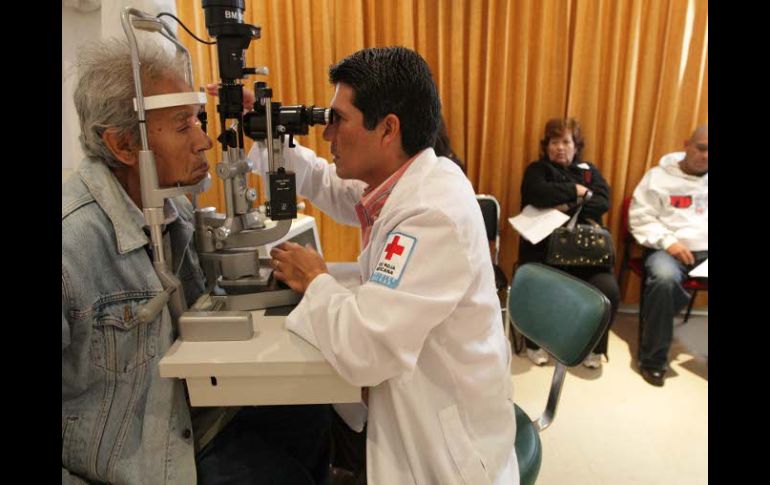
(560, 179)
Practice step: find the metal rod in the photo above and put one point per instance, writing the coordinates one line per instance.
(269, 131)
(124, 18)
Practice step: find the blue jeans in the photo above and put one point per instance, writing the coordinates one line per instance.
(270, 445)
(663, 299)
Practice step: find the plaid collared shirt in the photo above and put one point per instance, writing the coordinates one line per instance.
(374, 198)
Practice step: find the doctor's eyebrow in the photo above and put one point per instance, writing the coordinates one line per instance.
(338, 113)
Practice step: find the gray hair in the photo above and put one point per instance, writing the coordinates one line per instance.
(105, 90)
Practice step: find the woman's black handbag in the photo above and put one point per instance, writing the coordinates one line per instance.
(577, 245)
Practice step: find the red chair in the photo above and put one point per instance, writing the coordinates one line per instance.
(636, 266)
(694, 285)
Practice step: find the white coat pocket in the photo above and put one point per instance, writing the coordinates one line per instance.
(466, 459)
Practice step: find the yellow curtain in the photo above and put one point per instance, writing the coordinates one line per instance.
(634, 73)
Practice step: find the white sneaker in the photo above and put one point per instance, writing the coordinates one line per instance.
(538, 357)
(593, 361)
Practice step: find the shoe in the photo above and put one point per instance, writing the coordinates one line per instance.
(653, 376)
(538, 357)
(593, 361)
(340, 476)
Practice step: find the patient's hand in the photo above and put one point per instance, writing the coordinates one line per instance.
(680, 252)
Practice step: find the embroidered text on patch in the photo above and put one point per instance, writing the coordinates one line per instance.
(393, 260)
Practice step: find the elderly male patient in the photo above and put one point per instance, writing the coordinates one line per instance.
(121, 422)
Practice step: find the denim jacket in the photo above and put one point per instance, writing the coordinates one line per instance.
(121, 422)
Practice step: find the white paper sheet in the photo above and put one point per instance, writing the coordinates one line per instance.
(535, 224)
(701, 271)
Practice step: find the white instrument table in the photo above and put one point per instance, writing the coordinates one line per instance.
(274, 367)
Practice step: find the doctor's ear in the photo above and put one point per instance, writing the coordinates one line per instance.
(121, 145)
(391, 128)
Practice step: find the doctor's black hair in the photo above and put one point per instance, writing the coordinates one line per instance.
(393, 80)
(443, 147)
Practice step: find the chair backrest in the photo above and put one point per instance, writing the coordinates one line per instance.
(490, 210)
(628, 238)
(624, 218)
(634, 264)
(560, 313)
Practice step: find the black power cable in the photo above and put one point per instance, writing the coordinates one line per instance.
(184, 27)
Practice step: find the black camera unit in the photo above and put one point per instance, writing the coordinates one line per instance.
(286, 120)
(224, 21)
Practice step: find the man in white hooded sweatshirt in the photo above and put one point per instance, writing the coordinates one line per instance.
(669, 216)
(424, 331)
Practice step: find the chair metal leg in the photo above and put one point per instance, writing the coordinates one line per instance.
(689, 306)
(506, 316)
(518, 342)
(641, 303)
(553, 398)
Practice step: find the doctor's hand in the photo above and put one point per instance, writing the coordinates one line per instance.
(297, 266)
(248, 95)
(680, 252)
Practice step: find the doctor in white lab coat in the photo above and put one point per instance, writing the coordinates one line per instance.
(424, 331)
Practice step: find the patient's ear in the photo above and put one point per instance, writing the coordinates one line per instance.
(121, 145)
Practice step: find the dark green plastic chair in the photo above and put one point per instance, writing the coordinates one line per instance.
(566, 317)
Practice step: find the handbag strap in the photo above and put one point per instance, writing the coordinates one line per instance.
(573, 221)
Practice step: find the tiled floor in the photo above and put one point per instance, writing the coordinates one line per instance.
(612, 427)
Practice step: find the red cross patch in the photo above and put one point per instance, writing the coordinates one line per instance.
(393, 248)
(393, 259)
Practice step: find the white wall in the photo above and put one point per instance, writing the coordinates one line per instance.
(83, 20)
